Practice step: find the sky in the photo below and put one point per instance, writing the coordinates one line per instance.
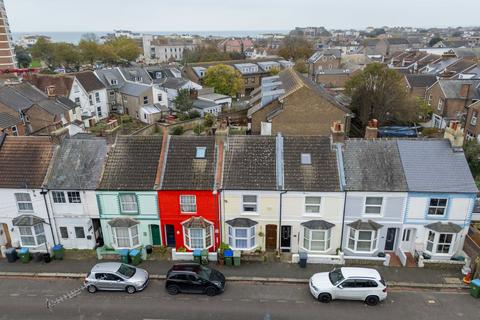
(228, 15)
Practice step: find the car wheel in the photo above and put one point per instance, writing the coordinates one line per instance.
(372, 300)
(130, 289)
(324, 297)
(211, 291)
(92, 289)
(173, 290)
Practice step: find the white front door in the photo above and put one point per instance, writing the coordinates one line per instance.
(408, 238)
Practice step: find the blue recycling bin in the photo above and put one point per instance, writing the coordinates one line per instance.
(197, 256)
(123, 255)
(58, 252)
(228, 256)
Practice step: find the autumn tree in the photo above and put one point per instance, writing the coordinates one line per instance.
(301, 66)
(66, 54)
(90, 51)
(44, 50)
(472, 153)
(124, 48)
(295, 48)
(23, 57)
(379, 93)
(224, 79)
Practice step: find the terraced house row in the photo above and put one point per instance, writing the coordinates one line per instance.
(318, 194)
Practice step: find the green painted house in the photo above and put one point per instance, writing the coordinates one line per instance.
(127, 199)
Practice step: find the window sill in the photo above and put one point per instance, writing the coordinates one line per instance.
(188, 213)
(249, 213)
(136, 213)
(361, 252)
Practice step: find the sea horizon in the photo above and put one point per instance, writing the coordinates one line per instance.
(75, 36)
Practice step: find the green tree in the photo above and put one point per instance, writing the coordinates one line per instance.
(274, 71)
(177, 131)
(224, 79)
(424, 110)
(434, 41)
(90, 51)
(23, 57)
(295, 48)
(67, 54)
(44, 50)
(379, 93)
(209, 120)
(124, 48)
(183, 102)
(206, 53)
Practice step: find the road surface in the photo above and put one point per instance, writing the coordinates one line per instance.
(25, 299)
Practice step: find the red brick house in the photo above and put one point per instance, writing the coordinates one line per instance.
(187, 196)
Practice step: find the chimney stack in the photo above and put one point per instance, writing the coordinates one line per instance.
(193, 94)
(454, 133)
(465, 90)
(371, 131)
(337, 132)
(51, 91)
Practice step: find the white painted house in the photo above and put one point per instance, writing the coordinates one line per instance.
(25, 220)
(75, 174)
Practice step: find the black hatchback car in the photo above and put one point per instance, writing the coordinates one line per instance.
(194, 278)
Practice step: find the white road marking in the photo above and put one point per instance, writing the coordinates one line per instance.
(14, 294)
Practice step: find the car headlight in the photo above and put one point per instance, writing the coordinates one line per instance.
(217, 283)
(313, 286)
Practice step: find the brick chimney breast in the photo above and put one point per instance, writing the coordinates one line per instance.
(371, 131)
(337, 132)
(51, 91)
(465, 90)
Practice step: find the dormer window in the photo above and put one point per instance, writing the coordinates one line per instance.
(306, 158)
(200, 152)
(113, 82)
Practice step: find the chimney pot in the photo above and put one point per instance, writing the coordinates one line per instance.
(51, 91)
(454, 133)
(371, 131)
(337, 132)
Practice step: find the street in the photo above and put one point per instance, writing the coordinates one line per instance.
(26, 299)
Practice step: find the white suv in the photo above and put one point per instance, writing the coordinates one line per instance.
(350, 284)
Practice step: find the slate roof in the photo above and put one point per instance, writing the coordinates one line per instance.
(431, 165)
(452, 88)
(362, 225)
(26, 220)
(174, 83)
(448, 227)
(397, 41)
(63, 84)
(241, 223)
(132, 72)
(24, 161)
(67, 102)
(373, 165)
(122, 222)
(7, 120)
(29, 91)
(14, 100)
(317, 225)
(78, 164)
(321, 175)
(421, 80)
(134, 89)
(183, 171)
(132, 163)
(106, 75)
(250, 163)
(89, 81)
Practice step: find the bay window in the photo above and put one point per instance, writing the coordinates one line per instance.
(241, 238)
(362, 240)
(128, 203)
(188, 204)
(198, 237)
(316, 240)
(126, 237)
(33, 236)
(439, 243)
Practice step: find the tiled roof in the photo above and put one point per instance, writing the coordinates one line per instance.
(444, 227)
(183, 171)
(24, 161)
(123, 222)
(452, 88)
(362, 225)
(78, 164)
(241, 223)
(134, 89)
(26, 220)
(421, 80)
(250, 163)
(63, 84)
(132, 163)
(12, 99)
(7, 120)
(89, 81)
(106, 76)
(374, 165)
(431, 165)
(320, 175)
(318, 225)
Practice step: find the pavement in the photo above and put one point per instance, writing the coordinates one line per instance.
(249, 271)
(25, 299)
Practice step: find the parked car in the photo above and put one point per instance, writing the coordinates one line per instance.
(194, 278)
(114, 276)
(349, 284)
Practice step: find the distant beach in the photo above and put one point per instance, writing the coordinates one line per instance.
(74, 37)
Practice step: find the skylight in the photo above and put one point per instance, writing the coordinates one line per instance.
(200, 154)
(306, 158)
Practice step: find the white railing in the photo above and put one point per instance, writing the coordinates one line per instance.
(385, 260)
(321, 258)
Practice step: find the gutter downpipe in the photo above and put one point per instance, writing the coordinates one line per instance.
(44, 193)
(341, 174)
(280, 223)
(280, 187)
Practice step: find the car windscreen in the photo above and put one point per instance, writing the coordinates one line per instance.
(336, 276)
(204, 273)
(126, 271)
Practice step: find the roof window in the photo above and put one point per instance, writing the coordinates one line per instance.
(201, 151)
(306, 158)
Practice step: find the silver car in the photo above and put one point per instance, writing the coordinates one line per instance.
(114, 276)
